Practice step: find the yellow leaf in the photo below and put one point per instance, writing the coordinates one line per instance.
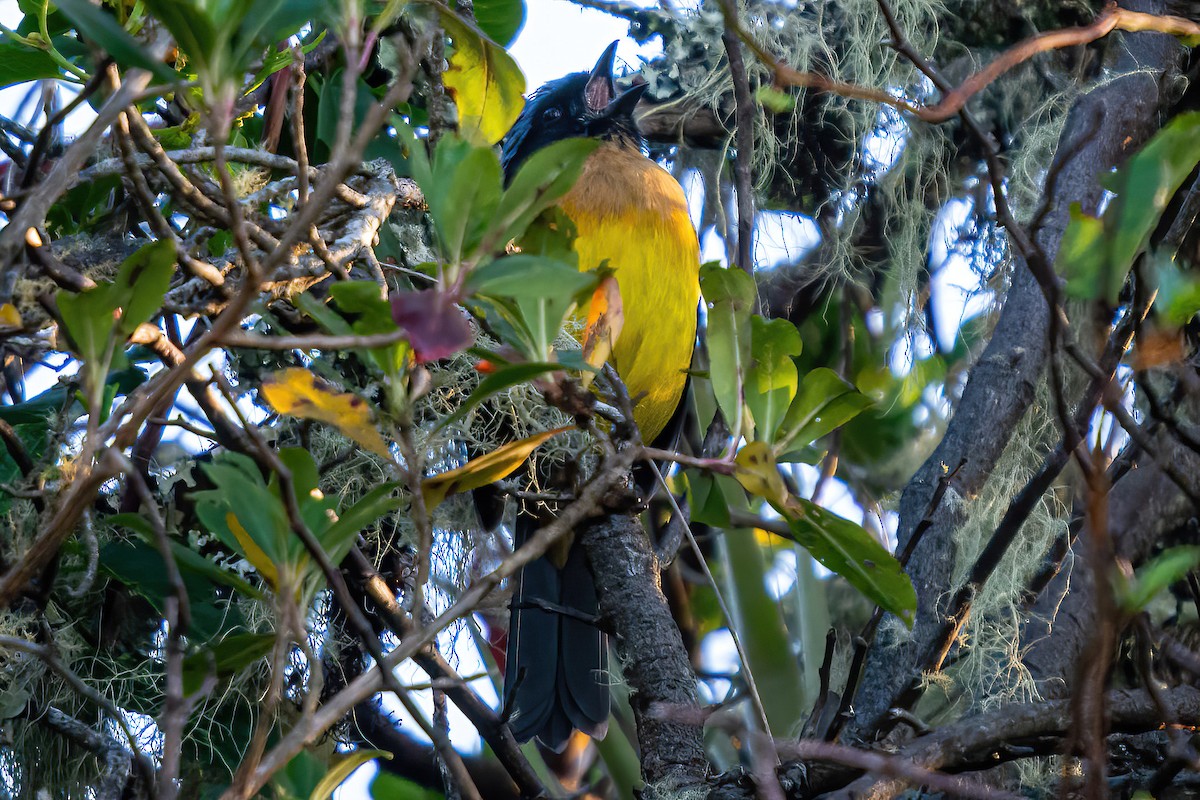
(605, 317)
(486, 84)
(9, 316)
(484, 470)
(341, 770)
(296, 392)
(254, 554)
(756, 471)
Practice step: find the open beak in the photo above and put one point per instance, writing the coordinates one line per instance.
(600, 90)
(625, 102)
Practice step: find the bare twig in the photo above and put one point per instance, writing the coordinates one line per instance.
(481, 716)
(744, 112)
(34, 205)
(179, 617)
(890, 766)
(612, 470)
(983, 741)
(1111, 19)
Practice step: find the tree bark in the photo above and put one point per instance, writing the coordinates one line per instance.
(1144, 508)
(653, 658)
(1104, 127)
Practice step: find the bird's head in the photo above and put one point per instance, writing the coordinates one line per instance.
(583, 104)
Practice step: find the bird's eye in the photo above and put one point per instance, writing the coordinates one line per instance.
(552, 114)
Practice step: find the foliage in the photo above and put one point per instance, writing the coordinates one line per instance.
(305, 326)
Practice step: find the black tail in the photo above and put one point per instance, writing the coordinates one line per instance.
(556, 679)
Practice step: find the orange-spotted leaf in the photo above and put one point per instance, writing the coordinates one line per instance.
(253, 553)
(297, 392)
(605, 317)
(755, 470)
(486, 469)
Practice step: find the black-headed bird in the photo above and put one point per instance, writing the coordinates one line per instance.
(633, 214)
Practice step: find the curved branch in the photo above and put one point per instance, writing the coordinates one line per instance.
(1112, 18)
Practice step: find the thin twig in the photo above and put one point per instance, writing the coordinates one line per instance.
(1110, 19)
(747, 674)
(612, 471)
(891, 766)
(179, 619)
(744, 111)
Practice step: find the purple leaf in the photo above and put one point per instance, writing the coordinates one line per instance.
(435, 326)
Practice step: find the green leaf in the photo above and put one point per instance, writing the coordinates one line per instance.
(765, 638)
(486, 84)
(1083, 258)
(224, 659)
(771, 382)
(386, 786)
(278, 59)
(34, 437)
(1096, 254)
(328, 111)
(1178, 292)
(775, 100)
(137, 291)
(371, 314)
(824, 403)
(57, 400)
(541, 181)
(706, 498)
(500, 20)
(542, 292)
(1158, 574)
(20, 63)
(299, 776)
(524, 276)
(620, 759)
(88, 316)
(462, 190)
(141, 283)
(730, 295)
(339, 537)
(850, 551)
(315, 507)
(95, 24)
(139, 566)
(244, 514)
(187, 559)
(193, 29)
(322, 314)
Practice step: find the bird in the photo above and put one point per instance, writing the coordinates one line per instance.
(632, 215)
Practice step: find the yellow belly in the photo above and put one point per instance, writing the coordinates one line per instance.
(630, 211)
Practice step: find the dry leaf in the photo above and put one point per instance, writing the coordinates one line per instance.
(486, 469)
(296, 392)
(605, 317)
(10, 318)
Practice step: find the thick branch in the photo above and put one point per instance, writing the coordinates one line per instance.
(653, 657)
(983, 741)
(1144, 506)
(1000, 387)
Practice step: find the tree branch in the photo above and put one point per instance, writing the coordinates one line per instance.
(654, 660)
